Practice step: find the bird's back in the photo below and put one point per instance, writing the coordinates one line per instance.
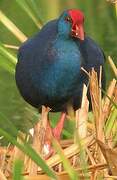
(92, 57)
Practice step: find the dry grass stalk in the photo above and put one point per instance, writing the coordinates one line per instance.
(82, 116)
(96, 165)
(87, 73)
(107, 103)
(6, 160)
(71, 112)
(115, 94)
(14, 153)
(3, 152)
(110, 156)
(90, 127)
(108, 109)
(112, 65)
(60, 177)
(90, 157)
(94, 91)
(38, 137)
(96, 99)
(66, 143)
(68, 152)
(112, 1)
(11, 46)
(110, 177)
(2, 176)
(18, 154)
(93, 175)
(96, 104)
(91, 168)
(40, 130)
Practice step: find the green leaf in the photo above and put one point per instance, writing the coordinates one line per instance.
(113, 103)
(4, 120)
(30, 8)
(4, 64)
(116, 8)
(8, 59)
(82, 161)
(6, 53)
(17, 170)
(12, 27)
(111, 121)
(71, 172)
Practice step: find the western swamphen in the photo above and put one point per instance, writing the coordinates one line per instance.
(49, 72)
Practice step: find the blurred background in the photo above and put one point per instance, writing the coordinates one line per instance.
(20, 19)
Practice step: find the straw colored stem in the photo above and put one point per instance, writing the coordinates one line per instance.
(90, 157)
(68, 152)
(2, 177)
(38, 137)
(99, 166)
(11, 46)
(96, 103)
(107, 103)
(18, 154)
(82, 115)
(111, 177)
(66, 143)
(112, 65)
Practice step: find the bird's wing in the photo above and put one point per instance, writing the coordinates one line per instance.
(92, 54)
(40, 41)
(92, 57)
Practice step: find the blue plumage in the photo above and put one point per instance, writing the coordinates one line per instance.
(48, 71)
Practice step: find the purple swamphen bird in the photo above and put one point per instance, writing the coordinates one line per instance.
(48, 71)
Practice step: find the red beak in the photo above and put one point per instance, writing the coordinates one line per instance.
(78, 31)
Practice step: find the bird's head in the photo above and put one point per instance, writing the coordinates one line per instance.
(71, 23)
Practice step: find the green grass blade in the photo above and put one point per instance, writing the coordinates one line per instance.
(83, 163)
(8, 59)
(67, 134)
(116, 8)
(4, 64)
(6, 53)
(113, 103)
(4, 120)
(71, 172)
(28, 150)
(115, 136)
(113, 66)
(17, 170)
(35, 8)
(53, 10)
(111, 121)
(25, 6)
(12, 27)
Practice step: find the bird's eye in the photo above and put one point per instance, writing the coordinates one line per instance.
(68, 19)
